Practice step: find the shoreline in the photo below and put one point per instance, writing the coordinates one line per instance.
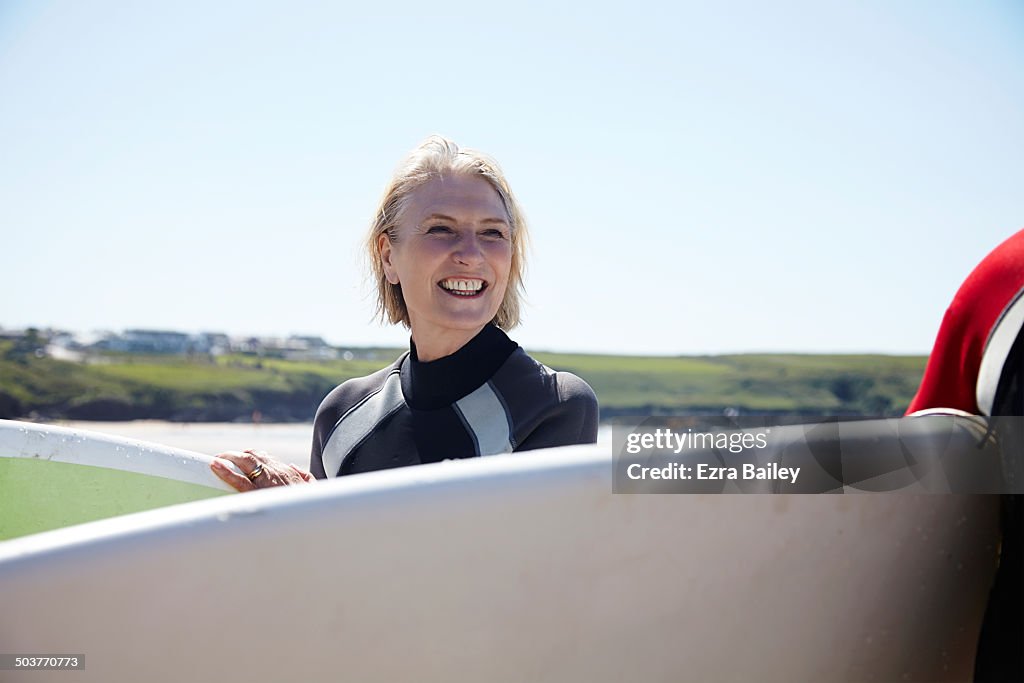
(287, 441)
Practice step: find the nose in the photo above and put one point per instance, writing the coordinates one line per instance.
(468, 251)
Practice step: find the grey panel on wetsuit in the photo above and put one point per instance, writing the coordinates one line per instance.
(358, 423)
(487, 420)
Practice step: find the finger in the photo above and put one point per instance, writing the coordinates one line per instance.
(230, 477)
(306, 476)
(281, 474)
(259, 455)
(246, 461)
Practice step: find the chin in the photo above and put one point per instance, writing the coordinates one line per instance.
(465, 323)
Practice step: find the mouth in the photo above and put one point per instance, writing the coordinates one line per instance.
(464, 288)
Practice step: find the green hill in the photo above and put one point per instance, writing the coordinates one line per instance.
(225, 388)
(778, 383)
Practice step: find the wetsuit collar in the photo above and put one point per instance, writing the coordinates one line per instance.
(441, 382)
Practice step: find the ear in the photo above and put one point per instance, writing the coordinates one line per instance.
(384, 245)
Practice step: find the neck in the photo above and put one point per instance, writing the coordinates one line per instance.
(434, 345)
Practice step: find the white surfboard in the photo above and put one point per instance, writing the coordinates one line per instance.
(520, 567)
(51, 477)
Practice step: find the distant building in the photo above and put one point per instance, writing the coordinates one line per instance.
(11, 335)
(72, 346)
(146, 341)
(251, 345)
(290, 348)
(307, 348)
(160, 341)
(215, 343)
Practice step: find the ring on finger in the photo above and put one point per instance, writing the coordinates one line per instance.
(257, 471)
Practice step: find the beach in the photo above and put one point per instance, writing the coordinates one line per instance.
(290, 442)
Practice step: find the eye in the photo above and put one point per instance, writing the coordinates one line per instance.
(494, 233)
(438, 230)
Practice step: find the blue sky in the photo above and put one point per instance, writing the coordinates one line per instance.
(699, 178)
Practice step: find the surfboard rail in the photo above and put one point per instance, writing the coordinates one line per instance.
(52, 476)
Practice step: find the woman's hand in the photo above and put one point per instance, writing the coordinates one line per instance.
(260, 469)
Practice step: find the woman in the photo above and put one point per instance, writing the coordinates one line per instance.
(447, 250)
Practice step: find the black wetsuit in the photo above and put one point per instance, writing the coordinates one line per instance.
(488, 397)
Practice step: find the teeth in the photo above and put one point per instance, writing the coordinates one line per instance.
(463, 285)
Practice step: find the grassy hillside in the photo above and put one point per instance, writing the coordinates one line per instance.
(119, 386)
(809, 384)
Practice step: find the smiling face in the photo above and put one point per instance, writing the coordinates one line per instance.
(451, 254)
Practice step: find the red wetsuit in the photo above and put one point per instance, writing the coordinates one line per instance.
(976, 326)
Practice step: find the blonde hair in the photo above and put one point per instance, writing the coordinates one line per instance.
(436, 157)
